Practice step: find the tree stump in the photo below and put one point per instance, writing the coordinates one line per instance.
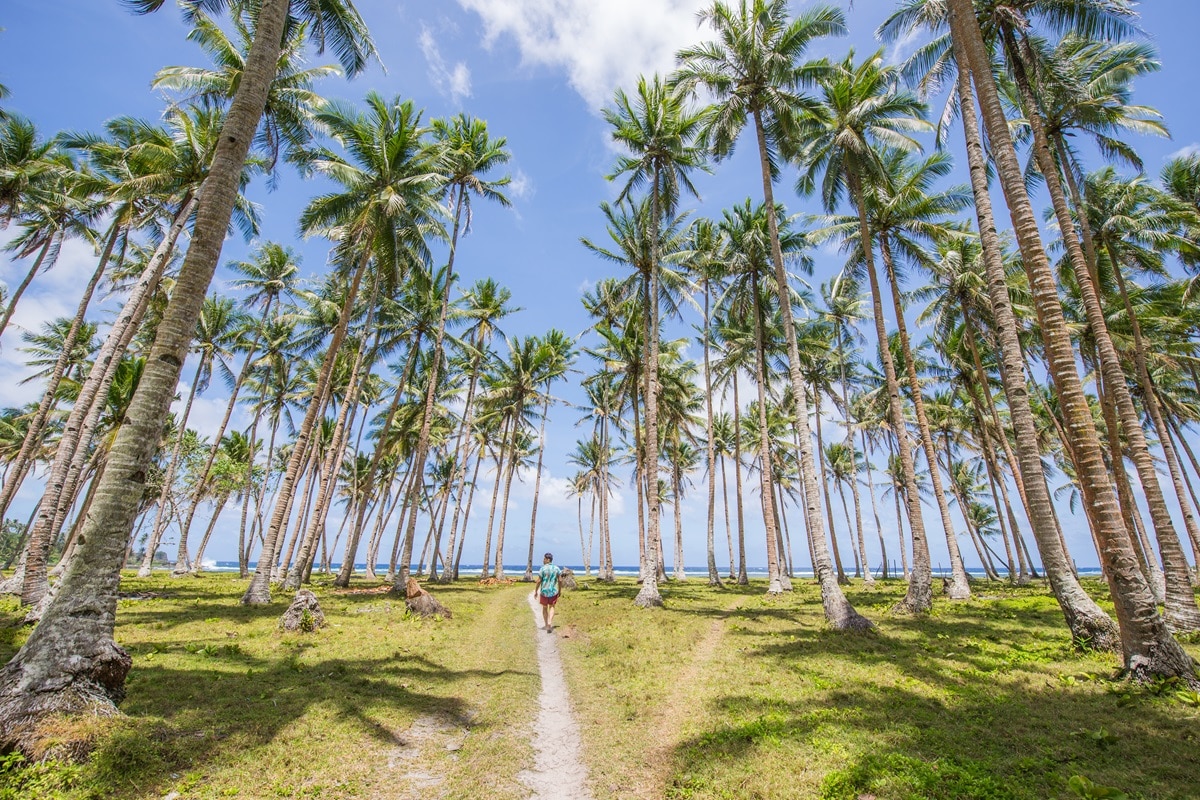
(422, 602)
(304, 614)
(566, 579)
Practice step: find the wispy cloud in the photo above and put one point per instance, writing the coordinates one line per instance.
(453, 81)
(1188, 150)
(599, 45)
(521, 186)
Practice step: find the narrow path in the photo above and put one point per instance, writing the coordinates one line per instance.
(679, 703)
(558, 770)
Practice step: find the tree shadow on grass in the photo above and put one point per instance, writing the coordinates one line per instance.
(939, 707)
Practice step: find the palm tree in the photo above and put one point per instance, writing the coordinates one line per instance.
(752, 70)
(465, 153)
(382, 216)
(1148, 647)
(285, 124)
(266, 277)
(659, 130)
(560, 354)
(841, 141)
(1086, 620)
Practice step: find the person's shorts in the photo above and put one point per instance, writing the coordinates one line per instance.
(547, 601)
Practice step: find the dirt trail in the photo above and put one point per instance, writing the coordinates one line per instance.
(559, 771)
(674, 709)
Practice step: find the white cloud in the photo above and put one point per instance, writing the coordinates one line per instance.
(451, 80)
(586, 286)
(521, 186)
(1190, 150)
(904, 46)
(599, 45)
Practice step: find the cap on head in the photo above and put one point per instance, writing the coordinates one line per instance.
(548, 557)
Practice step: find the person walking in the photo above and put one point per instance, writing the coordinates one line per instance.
(547, 589)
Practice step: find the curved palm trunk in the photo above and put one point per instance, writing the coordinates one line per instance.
(36, 434)
(70, 662)
(198, 563)
(259, 590)
(537, 486)
(1183, 614)
(875, 508)
(76, 437)
(24, 284)
(959, 588)
(838, 611)
(1147, 644)
(501, 463)
(1086, 620)
(728, 527)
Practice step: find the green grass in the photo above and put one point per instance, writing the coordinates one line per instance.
(221, 703)
(984, 699)
(723, 693)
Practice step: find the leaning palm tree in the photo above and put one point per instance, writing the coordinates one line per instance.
(659, 129)
(839, 147)
(71, 663)
(386, 209)
(464, 155)
(753, 70)
(1148, 647)
(1087, 621)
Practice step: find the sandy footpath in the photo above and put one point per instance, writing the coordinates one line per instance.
(558, 771)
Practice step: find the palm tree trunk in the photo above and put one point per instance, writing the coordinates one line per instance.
(766, 484)
(728, 527)
(838, 611)
(198, 563)
(1182, 612)
(742, 578)
(537, 486)
(648, 595)
(259, 590)
(160, 524)
(959, 588)
(513, 458)
(837, 556)
(1147, 644)
(919, 598)
(714, 577)
(35, 435)
(1086, 620)
(500, 465)
(875, 510)
(24, 284)
(70, 662)
(76, 437)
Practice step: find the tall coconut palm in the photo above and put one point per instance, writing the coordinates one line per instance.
(560, 354)
(659, 129)
(754, 73)
(840, 147)
(465, 154)
(1087, 621)
(386, 209)
(1148, 647)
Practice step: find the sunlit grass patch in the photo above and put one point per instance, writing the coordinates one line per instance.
(222, 703)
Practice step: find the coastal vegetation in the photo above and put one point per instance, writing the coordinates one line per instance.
(985, 376)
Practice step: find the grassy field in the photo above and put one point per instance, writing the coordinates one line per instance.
(728, 694)
(722, 694)
(378, 704)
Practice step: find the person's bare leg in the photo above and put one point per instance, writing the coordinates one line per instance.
(550, 618)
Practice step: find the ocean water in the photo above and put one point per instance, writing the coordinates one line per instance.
(628, 571)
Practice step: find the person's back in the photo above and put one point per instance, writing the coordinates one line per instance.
(548, 589)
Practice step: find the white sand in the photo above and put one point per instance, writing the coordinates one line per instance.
(558, 771)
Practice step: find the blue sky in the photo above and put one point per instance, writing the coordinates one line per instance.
(538, 71)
